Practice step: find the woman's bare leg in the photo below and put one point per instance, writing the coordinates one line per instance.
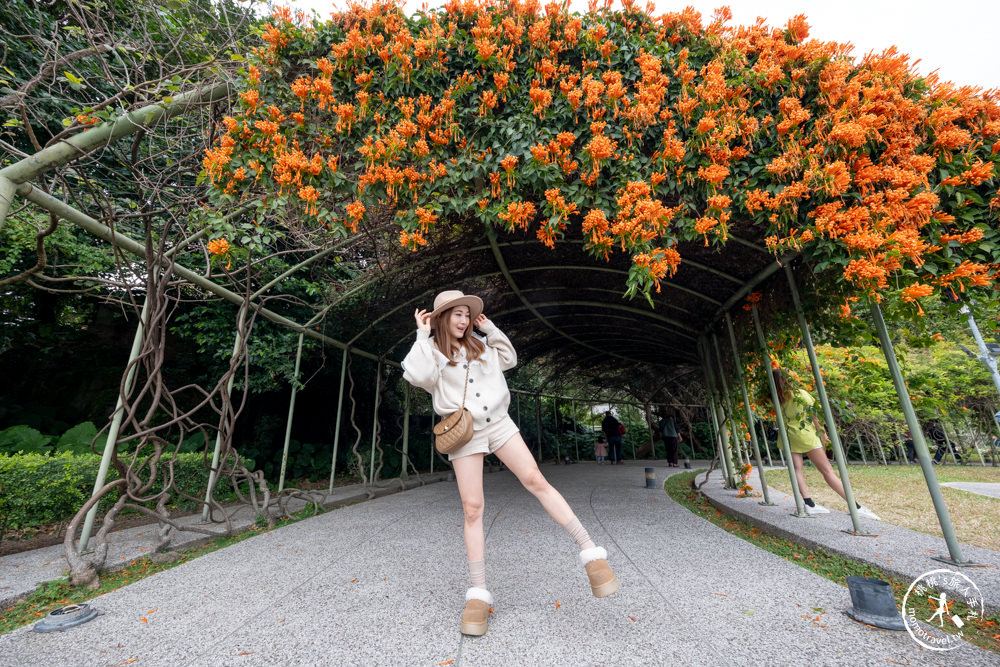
(797, 464)
(818, 458)
(515, 455)
(469, 474)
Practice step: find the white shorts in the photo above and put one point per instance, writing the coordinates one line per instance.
(489, 439)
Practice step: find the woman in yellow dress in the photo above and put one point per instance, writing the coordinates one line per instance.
(804, 440)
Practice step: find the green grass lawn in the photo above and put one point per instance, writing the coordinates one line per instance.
(899, 495)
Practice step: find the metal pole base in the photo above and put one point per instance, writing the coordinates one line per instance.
(761, 502)
(803, 515)
(857, 534)
(951, 561)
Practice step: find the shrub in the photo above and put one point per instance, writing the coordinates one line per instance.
(23, 439)
(36, 489)
(78, 439)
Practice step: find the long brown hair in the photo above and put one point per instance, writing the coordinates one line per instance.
(784, 391)
(447, 343)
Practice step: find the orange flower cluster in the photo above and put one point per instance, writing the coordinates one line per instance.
(218, 246)
(659, 263)
(859, 160)
(518, 215)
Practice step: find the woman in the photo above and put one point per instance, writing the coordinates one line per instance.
(803, 438)
(438, 365)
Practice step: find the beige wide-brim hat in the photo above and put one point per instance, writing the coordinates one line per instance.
(451, 298)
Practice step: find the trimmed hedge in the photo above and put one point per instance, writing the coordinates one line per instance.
(36, 489)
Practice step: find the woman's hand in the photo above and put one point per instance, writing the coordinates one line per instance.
(480, 320)
(423, 319)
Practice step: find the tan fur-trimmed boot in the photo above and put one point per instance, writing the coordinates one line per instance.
(477, 611)
(602, 580)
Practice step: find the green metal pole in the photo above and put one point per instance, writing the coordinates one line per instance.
(767, 445)
(216, 455)
(975, 439)
(899, 444)
(291, 413)
(737, 445)
(336, 425)
(984, 353)
(947, 441)
(406, 429)
(800, 510)
(538, 423)
(881, 449)
(519, 410)
(576, 434)
(737, 362)
(116, 238)
(725, 458)
(861, 448)
(555, 427)
(115, 428)
(100, 136)
(923, 455)
(378, 396)
(831, 424)
(8, 189)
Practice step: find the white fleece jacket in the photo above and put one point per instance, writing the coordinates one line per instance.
(488, 396)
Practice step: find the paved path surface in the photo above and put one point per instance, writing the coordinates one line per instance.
(21, 573)
(982, 488)
(383, 582)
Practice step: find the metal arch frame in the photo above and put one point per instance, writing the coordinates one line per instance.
(530, 308)
(502, 264)
(608, 269)
(629, 346)
(612, 306)
(602, 290)
(435, 257)
(128, 244)
(612, 316)
(425, 293)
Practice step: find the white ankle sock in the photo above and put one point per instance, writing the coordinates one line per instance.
(579, 534)
(477, 573)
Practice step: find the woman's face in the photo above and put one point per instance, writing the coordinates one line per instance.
(458, 321)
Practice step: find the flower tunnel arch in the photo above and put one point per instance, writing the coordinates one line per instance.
(552, 162)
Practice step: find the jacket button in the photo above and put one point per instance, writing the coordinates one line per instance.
(464, 366)
(477, 394)
(485, 408)
(471, 380)
(487, 419)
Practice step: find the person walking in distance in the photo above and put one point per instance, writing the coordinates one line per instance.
(613, 431)
(671, 438)
(445, 353)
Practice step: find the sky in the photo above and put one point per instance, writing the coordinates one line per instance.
(954, 37)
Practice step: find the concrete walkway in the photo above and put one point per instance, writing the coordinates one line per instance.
(991, 489)
(382, 582)
(901, 552)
